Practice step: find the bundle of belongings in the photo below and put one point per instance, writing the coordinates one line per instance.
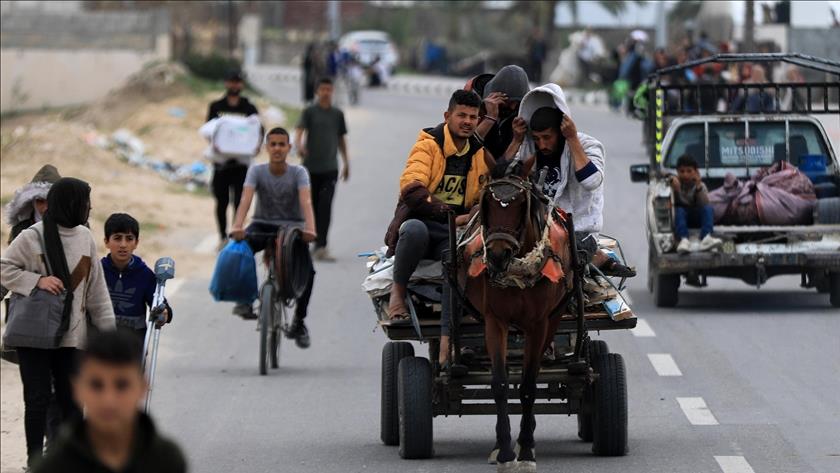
(776, 195)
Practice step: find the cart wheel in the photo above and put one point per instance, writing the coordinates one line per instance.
(666, 290)
(609, 426)
(593, 349)
(265, 321)
(834, 289)
(414, 392)
(392, 353)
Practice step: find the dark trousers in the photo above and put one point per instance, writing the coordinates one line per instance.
(323, 190)
(226, 178)
(259, 244)
(419, 240)
(702, 217)
(41, 371)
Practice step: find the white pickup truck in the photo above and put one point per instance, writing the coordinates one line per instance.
(742, 143)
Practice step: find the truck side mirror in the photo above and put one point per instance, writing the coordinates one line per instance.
(639, 172)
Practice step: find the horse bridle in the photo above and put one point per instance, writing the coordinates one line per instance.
(505, 191)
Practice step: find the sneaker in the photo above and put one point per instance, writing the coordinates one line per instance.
(322, 254)
(710, 243)
(245, 311)
(684, 247)
(300, 333)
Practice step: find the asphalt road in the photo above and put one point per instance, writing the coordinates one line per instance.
(766, 364)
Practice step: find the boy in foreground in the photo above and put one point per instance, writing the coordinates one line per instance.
(692, 208)
(131, 283)
(114, 436)
(284, 200)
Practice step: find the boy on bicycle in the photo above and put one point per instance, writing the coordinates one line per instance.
(284, 200)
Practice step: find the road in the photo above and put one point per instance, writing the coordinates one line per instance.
(765, 364)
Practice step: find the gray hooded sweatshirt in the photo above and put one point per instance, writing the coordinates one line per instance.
(584, 199)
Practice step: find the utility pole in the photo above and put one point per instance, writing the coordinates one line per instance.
(749, 27)
(231, 40)
(333, 19)
(661, 26)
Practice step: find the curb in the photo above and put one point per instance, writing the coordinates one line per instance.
(426, 86)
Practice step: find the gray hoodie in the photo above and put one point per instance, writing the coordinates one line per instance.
(584, 199)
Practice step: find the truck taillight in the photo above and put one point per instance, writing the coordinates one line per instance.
(662, 213)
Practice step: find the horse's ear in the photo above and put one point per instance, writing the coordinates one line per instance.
(527, 165)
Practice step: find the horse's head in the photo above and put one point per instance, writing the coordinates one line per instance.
(505, 213)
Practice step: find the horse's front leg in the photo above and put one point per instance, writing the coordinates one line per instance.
(495, 337)
(534, 347)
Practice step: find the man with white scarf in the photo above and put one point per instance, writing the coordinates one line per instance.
(575, 164)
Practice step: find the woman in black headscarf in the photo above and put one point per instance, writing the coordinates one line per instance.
(63, 240)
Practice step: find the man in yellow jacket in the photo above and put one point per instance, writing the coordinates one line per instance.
(446, 170)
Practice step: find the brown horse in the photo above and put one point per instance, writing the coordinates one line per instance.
(517, 277)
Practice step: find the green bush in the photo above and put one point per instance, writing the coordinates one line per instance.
(212, 67)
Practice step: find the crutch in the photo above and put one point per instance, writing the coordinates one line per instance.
(164, 270)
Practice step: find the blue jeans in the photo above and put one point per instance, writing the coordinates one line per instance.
(694, 217)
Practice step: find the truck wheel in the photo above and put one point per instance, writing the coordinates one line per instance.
(414, 392)
(666, 290)
(593, 349)
(827, 210)
(392, 354)
(834, 289)
(610, 415)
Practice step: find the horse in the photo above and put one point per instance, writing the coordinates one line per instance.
(518, 273)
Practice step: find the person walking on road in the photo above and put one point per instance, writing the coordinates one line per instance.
(68, 243)
(229, 173)
(319, 136)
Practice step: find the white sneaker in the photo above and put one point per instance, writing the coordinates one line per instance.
(684, 246)
(710, 243)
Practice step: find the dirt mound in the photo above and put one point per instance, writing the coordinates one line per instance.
(153, 84)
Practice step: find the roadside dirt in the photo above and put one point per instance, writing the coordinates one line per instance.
(161, 108)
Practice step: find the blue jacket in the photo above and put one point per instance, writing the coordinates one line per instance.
(131, 290)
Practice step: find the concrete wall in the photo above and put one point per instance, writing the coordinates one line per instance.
(45, 78)
(53, 59)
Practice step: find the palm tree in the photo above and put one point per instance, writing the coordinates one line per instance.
(544, 13)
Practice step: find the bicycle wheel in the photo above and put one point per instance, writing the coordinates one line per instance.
(266, 325)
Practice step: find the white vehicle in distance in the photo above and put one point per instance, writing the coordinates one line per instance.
(370, 44)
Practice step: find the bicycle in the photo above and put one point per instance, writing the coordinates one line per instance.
(273, 316)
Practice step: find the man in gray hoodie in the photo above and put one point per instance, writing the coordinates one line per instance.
(502, 95)
(545, 131)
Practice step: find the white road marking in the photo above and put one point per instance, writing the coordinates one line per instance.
(664, 364)
(733, 464)
(696, 411)
(207, 245)
(643, 329)
(172, 286)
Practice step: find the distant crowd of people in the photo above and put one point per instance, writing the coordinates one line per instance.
(635, 64)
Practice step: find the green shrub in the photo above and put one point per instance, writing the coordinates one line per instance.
(213, 66)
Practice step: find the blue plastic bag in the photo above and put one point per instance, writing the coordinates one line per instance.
(235, 276)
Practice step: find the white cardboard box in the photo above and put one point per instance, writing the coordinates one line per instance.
(238, 137)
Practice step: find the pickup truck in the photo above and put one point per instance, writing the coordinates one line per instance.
(741, 144)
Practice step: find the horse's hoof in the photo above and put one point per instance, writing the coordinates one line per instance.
(492, 458)
(530, 454)
(527, 467)
(508, 467)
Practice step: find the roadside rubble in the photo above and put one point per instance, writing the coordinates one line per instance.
(129, 148)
